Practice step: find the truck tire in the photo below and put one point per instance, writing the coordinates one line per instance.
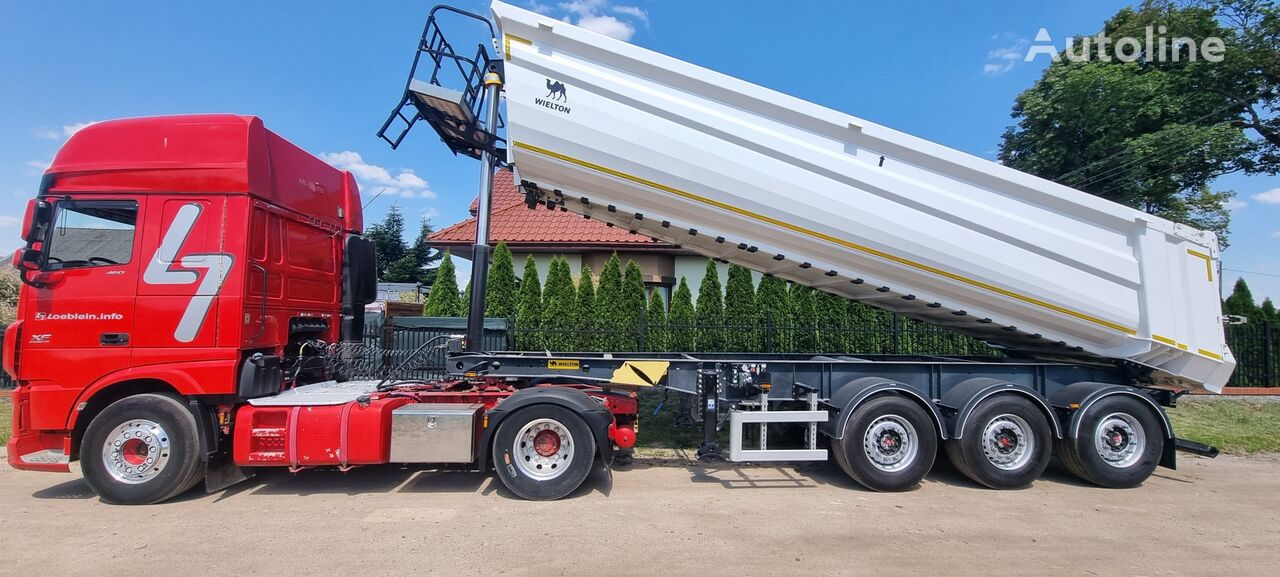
(142, 449)
(1005, 443)
(543, 452)
(889, 444)
(1119, 444)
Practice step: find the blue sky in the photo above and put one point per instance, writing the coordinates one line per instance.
(325, 74)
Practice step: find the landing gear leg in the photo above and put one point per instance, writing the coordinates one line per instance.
(709, 448)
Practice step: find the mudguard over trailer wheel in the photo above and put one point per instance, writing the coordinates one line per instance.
(889, 444)
(543, 452)
(1118, 445)
(141, 450)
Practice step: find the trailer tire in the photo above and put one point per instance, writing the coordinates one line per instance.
(1118, 446)
(141, 450)
(1005, 443)
(543, 452)
(889, 444)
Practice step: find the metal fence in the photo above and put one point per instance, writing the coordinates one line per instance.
(1256, 346)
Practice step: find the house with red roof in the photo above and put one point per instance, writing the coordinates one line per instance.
(546, 233)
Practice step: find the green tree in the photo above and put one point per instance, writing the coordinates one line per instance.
(832, 313)
(585, 313)
(9, 288)
(424, 256)
(709, 311)
(1268, 310)
(655, 322)
(558, 301)
(443, 300)
(1241, 302)
(464, 304)
(633, 301)
(804, 319)
(501, 295)
(388, 241)
(611, 310)
(529, 308)
(775, 309)
(680, 332)
(741, 313)
(1154, 135)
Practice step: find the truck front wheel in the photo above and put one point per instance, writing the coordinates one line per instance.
(543, 452)
(141, 450)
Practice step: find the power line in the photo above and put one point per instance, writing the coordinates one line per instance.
(1252, 272)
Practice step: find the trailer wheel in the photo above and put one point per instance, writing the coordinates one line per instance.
(141, 450)
(543, 452)
(1004, 444)
(889, 444)
(1118, 446)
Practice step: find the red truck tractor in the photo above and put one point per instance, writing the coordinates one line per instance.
(179, 268)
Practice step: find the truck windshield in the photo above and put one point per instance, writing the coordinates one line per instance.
(91, 233)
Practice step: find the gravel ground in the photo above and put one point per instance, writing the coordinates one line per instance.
(661, 516)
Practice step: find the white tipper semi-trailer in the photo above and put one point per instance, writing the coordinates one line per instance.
(1105, 313)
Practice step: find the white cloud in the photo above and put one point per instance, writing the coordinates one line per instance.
(633, 11)
(597, 16)
(373, 178)
(1235, 204)
(430, 213)
(41, 165)
(1269, 197)
(1275, 234)
(1004, 58)
(609, 26)
(63, 133)
(8, 221)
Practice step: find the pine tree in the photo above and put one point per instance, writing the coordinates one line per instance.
(741, 313)
(501, 296)
(680, 332)
(558, 298)
(464, 305)
(1268, 310)
(388, 241)
(710, 311)
(1241, 301)
(804, 319)
(655, 322)
(831, 309)
(425, 257)
(633, 304)
(584, 313)
(529, 308)
(443, 300)
(610, 308)
(775, 311)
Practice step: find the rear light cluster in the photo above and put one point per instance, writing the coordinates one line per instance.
(268, 435)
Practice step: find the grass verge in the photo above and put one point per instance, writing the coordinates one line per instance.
(6, 413)
(1232, 425)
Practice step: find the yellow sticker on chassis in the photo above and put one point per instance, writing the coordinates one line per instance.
(563, 364)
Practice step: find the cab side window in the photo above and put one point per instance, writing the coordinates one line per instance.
(92, 233)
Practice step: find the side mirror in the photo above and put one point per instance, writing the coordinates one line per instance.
(27, 261)
(36, 219)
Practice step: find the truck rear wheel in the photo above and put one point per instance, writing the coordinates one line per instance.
(889, 444)
(1004, 444)
(1118, 446)
(543, 452)
(141, 450)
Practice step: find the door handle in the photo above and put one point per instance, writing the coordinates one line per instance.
(114, 339)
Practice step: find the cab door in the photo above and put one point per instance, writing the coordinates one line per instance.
(79, 324)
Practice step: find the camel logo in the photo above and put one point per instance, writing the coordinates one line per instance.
(556, 97)
(555, 91)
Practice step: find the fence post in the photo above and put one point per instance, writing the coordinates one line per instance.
(895, 344)
(768, 331)
(1268, 375)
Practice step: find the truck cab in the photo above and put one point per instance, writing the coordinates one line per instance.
(180, 260)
